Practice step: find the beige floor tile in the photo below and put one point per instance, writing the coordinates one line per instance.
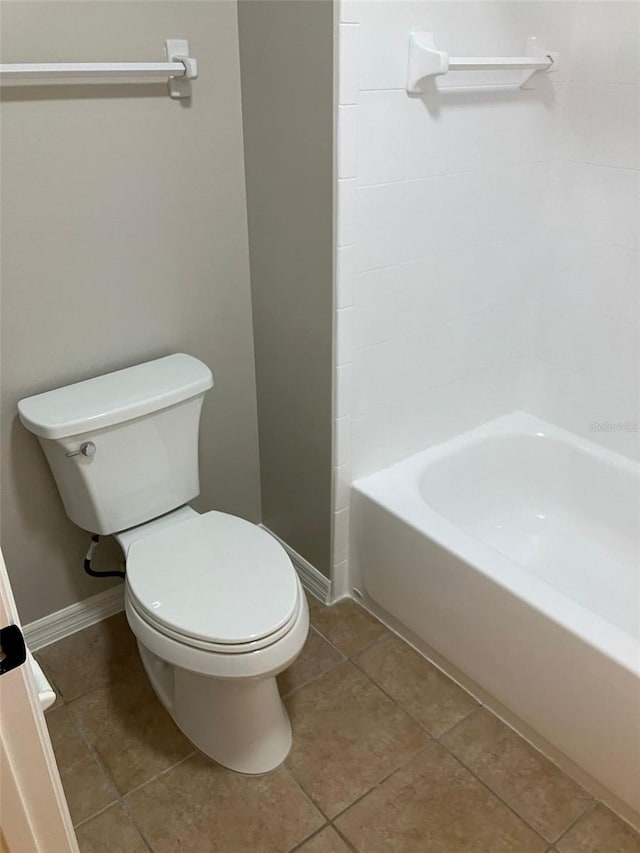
(92, 657)
(130, 730)
(87, 788)
(201, 808)
(349, 627)
(347, 736)
(434, 805)
(327, 841)
(533, 786)
(433, 699)
(600, 831)
(110, 832)
(318, 656)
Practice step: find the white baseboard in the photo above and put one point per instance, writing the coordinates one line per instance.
(312, 579)
(74, 618)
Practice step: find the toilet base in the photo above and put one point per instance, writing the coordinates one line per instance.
(239, 723)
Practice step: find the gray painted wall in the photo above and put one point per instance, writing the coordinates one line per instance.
(124, 238)
(286, 51)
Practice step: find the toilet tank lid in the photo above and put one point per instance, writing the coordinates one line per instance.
(115, 397)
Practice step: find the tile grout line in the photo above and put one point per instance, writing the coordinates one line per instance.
(300, 844)
(358, 799)
(455, 757)
(589, 807)
(299, 786)
(162, 773)
(410, 714)
(499, 797)
(125, 808)
(568, 828)
(344, 838)
(438, 739)
(94, 754)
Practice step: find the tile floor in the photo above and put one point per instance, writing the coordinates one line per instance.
(389, 756)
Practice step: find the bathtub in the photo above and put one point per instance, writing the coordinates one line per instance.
(512, 551)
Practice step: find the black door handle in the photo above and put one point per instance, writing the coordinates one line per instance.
(13, 652)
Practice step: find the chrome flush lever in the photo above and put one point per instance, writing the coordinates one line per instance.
(87, 448)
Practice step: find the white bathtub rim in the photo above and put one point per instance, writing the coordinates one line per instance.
(389, 489)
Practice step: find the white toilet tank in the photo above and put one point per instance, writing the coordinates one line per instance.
(123, 447)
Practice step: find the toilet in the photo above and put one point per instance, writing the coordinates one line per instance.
(213, 600)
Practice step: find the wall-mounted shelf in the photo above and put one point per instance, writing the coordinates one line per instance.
(179, 69)
(426, 60)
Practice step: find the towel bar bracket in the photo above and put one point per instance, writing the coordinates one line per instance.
(426, 60)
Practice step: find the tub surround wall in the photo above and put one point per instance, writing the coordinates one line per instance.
(585, 353)
(440, 200)
(124, 239)
(487, 241)
(286, 52)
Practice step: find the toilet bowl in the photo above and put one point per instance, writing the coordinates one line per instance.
(213, 600)
(218, 612)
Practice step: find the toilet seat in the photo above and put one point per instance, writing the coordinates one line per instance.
(214, 582)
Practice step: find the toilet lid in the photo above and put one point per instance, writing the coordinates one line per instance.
(215, 578)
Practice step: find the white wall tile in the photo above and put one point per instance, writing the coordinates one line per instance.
(382, 137)
(590, 274)
(575, 402)
(599, 203)
(604, 43)
(340, 536)
(371, 441)
(343, 391)
(345, 274)
(347, 210)
(375, 377)
(455, 407)
(591, 345)
(341, 441)
(484, 133)
(348, 47)
(341, 487)
(375, 301)
(347, 141)
(381, 226)
(602, 124)
(628, 305)
(350, 11)
(344, 335)
(427, 133)
(385, 27)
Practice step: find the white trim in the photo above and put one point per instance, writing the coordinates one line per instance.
(312, 579)
(74, 618)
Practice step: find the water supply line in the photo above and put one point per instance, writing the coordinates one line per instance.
(95, 541)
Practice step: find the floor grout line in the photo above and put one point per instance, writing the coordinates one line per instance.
(430, 735)
(341, 835)
(308, 796)
(568, 828)
(94, 754)
(125, 808)
(160, 774)
(401, 766)
(300, 844)
(437, 740)
(498, 796)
